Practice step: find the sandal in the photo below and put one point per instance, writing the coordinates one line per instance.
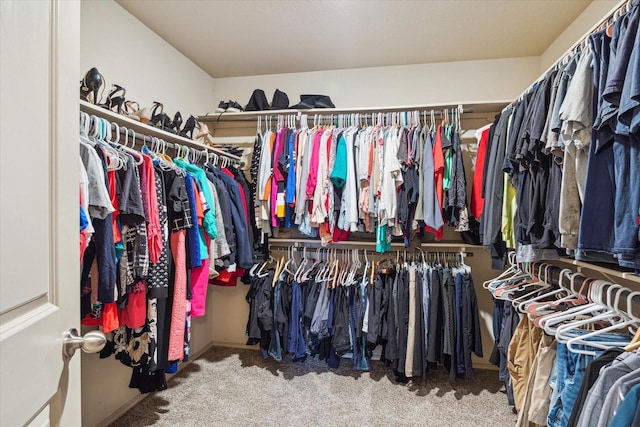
(188, 128)
(90, 86)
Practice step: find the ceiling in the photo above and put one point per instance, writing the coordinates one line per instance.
(231, 38)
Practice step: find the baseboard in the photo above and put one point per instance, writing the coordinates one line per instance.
(235, 345)
(139, 398)
(485, 366)
(376, 354)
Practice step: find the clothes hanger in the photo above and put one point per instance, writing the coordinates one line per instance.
(114, 160)
(525, 303)
(555, 311)
(516, 284)
(519, 278)
(540, 286)
(616, 340)
(303, 262)
(574, 298)
(513, 267)
(610, 313)
(596, 307)
(137, 156)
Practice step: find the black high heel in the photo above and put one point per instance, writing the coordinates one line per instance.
(162, 121)
(155, 118)
(188, 128)
(91, 85)
(177, 122)
(116, 101)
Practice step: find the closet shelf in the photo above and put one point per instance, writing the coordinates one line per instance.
(472, 107)
(147, 130)
(605, 271)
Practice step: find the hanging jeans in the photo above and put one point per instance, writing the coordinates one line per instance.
(275, 348)
(357, 307)
(295, 343)
(566, 378)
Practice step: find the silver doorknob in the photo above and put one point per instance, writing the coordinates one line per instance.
(91, 342)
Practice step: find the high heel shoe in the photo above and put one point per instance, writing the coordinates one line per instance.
(91, 84)
(177, 122)
(155, 117)
(189, 126)
(116, 101)
(143, 115)
(162, 121)
(130, 108)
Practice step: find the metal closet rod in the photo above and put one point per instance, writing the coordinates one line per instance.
(251, 116)
(412, 251)
(298, 243)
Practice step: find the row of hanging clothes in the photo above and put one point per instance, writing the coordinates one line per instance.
(559, 167)
(155, 231)
(389, 174)
(421, 309)
(566, 346)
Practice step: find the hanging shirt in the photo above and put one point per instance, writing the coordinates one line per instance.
(477, 202)
(391, 178)
(431, 206)
(209, 222)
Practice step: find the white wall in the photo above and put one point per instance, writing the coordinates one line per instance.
(574, 32)
(440, 83)
(130, 54)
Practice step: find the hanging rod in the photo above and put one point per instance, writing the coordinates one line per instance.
(248, 116)
(145, 131)
(300, 243)
(278, 247)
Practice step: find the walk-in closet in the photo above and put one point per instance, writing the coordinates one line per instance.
(417, 213)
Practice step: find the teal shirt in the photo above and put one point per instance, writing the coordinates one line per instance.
(209, 221)
(339, 173)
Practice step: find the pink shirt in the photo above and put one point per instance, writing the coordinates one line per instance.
(179, 306)
(150, 199)
(313, 164)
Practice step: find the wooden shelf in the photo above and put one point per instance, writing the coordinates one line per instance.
(146, 130)
(599, 268)
(471, 107)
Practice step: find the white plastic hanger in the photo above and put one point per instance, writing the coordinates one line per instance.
(613, 340)
(598, 311)
(525, 302)
(596, 290)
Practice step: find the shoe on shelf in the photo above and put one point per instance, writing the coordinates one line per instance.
(160, 119)
(133, 111)
(90, 86)
(234, 107)
(189, 126)
(177, 122)
(115, 100)
(222, 107)
(156, 111)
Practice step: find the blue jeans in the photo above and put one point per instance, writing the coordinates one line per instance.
(566, 379)
(426, 300)
(275, 348)
(295, 342)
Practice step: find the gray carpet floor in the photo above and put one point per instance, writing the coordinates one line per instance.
(236, 387)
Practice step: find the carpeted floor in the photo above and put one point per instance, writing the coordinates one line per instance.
(236, 387)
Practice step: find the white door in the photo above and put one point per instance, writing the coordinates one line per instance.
(39, 260)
